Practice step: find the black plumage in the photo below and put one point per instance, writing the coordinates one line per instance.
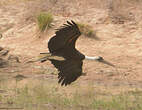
(64, 56)
(63, 45)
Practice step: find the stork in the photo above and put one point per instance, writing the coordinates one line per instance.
(64, 56)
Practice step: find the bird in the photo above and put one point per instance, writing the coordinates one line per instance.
(64, 55)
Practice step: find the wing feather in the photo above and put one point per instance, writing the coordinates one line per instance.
(63, 35)
(63, 44)
(69, 23)
(69, 70)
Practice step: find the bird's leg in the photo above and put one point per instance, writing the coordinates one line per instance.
(48, 56)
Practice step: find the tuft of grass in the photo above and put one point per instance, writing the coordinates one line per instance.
(44, 20)
(86, 30)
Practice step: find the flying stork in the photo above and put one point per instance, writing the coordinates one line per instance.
(64, 56)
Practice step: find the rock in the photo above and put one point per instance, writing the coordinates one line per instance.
(13, 58)
(3, 63)
(19, 77)
(4, 52)
(6, 59)
(1, 48)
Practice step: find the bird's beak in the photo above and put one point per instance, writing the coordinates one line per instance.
(105, 62)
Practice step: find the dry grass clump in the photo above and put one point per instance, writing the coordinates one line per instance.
(86, 30)
(44, 21)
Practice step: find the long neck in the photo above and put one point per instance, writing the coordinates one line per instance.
(92, 58)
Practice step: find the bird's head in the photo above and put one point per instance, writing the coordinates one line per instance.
(99, 59)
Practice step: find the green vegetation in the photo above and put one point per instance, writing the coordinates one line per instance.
(39, 95)
(44, 21)
(86, 30)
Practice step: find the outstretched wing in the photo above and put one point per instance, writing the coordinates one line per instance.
(69, 70)
(65, 35)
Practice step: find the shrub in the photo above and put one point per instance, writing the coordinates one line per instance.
(44, 20)
(86, 30)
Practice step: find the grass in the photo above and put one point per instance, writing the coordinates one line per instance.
(86, 30)
(44, 20)
(50, 96)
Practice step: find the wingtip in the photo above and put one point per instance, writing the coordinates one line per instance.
(70, 23)
(73, 22)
